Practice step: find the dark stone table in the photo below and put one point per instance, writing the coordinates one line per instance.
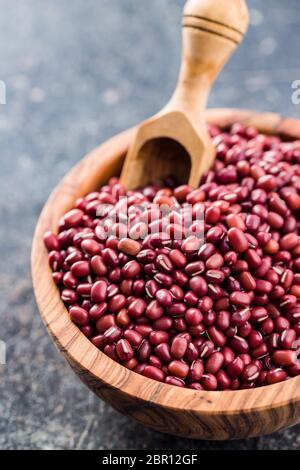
(76, 73)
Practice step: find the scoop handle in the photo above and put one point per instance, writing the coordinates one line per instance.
(212, 30)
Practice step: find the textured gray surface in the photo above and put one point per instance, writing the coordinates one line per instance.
(77, 72)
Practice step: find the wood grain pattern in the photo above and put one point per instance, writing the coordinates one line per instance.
(184, 412)
(175, 141)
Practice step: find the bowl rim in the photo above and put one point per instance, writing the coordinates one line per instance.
(84, 357)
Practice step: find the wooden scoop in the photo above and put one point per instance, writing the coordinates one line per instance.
(175, 141)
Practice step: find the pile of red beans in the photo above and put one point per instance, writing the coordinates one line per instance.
(219, 311)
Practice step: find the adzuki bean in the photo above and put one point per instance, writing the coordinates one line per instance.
(219, 308)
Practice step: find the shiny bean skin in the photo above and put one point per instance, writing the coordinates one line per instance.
(196, 370)
(235, 368)
(214, 362)
(207, 303)
(157, 337)
(276, 375)
(133, 337)
(178, 369)
(79, 316)
(209, 382)
(154, 373)
(178, 347)
(284, 357)
(162, 350)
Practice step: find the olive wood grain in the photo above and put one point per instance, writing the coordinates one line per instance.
(184, 412)
(175, 141)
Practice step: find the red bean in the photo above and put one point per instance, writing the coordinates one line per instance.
(105, 322)
(209, 382)
(216, 261)
(129, 246)
(145, 330)
(196, 370)
(287, 338)
(177, 310)
(98, 341)
(206, 349)
(217, 336)
(253, 259)
(250, 373)
(294, 370)
(162, 350)
(259, 314)
(70, 281)
(51, 241)
(176, 292)
(215, 276)
(290, 241)
(178, 369)
(198, 285)
(178, 258)
(69, 296)
(228, 355)
(239, 344)
(235, 368)
(163, 279)
(255, 339)
(178, 347)
(237, 240)
(113, 334)
(164, 297)
(240, 317)
(240, 298)
(223, 380)
(98, 310)
(235, 221)
(133, 337)
(55, 260)
(154, 373)
(164, 263)
(191, 353)
(260, 351)
(191, 244)
(223, 320)
(90, 247)
(137, 308)
(57, 278)
(110, 257)
(276, 375)
(212, 215)
(247, 281)
(226, 293)
(131, 270)
(73, 218)
(284, 357)
(117, 303)
(79, 315)
(80, 269)
(163, 323)
(144, 350)
(99, 291)
(193, 316)
(157, 337)
(281, 324)
(174, 381)
(98, 266)
(214, 362)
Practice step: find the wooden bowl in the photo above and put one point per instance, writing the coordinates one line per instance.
(184, 412)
